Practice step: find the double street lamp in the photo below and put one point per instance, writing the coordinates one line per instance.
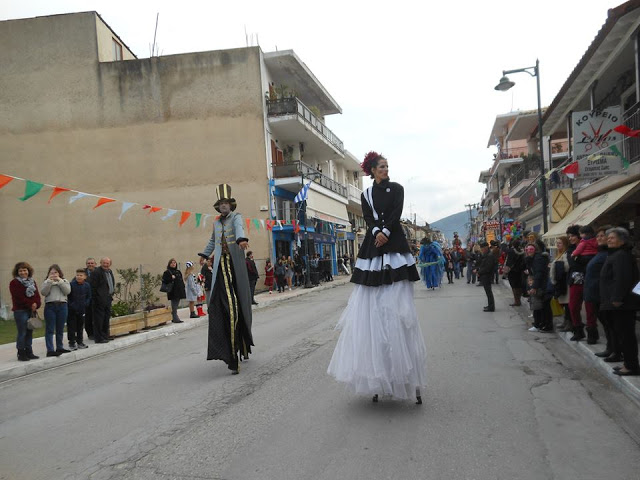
(504, 85)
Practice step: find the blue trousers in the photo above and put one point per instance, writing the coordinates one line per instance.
(25, 336)
(55, 317)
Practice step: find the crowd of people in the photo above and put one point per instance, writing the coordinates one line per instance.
(82, 305)
(289, 273)
(591, 268)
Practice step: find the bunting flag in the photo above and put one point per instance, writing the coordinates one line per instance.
(57, 191)
(256, 222)
(170, 213)
(31, 188)
(146, 207)
(247, 221)
(269, 225)
(280, 224)
(125, 206)
(4, 179)
(154, 210)
(102, 201)
(262, 222)
(625, 162)
(184, 217)
(626, 131)
(198, 219)
(571, 170)
(204, 221)
(78, 196)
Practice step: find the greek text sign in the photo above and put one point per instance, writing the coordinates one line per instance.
(596, 166)
(593, 132)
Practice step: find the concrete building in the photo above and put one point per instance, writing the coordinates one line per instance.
(79, 110)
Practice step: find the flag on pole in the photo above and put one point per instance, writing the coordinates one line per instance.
(302, 194)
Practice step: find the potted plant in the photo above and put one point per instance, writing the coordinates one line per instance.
(154, 314)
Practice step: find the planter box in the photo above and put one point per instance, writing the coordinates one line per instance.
(126, 324)
(158, 316)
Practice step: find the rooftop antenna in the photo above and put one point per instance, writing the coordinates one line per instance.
(154, 47)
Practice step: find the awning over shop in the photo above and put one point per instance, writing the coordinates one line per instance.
(325, 208)
(589, 211)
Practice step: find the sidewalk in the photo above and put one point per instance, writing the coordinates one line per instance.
(11, 368)
(630, 386)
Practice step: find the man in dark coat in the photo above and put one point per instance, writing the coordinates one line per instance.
(229, 309)
(102, 286)
(252, 270)
(486, 268)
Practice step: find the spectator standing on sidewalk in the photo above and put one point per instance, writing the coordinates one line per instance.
(558, 274)
(191, 288)
(79, 301)
(102, 288)
(207, 272)
(618, 277)
(290, 272)
(252, 270)
(280, 273)
(494, 248)
(592, 293)
(88, 318)
(448, 264)
(486, 271)
(25, 300)
(513, 267)
(55, 290)
(576, 283)
(268, 275)
(538, 267)
(172, 275)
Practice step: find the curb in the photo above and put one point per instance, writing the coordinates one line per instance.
(21, 369)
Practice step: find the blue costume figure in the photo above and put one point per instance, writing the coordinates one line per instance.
(431, 253)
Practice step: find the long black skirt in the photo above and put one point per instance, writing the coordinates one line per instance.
(229, 337)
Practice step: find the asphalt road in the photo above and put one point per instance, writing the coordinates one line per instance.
(501, 403)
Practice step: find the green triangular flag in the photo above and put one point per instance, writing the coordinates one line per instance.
(256, 223)
(31, 189)
(198, 218)
(625, 162)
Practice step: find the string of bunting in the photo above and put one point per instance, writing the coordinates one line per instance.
(32, 188)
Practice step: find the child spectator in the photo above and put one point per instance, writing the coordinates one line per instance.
(588, 244)
(268, 275)
(79, 301)
(536, 304)
(192, 288)
(55, 290)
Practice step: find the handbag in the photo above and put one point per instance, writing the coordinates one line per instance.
(166, 287)
(34, 321)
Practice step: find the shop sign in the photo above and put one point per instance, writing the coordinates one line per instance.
(561, 203)
(593, 132)
(597, 166)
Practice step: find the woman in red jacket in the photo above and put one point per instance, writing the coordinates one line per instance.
(26, 300)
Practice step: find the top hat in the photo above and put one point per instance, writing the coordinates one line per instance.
(223, 192)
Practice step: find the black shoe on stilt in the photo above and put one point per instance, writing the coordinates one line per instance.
(375, 398)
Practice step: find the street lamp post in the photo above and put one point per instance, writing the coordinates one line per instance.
(504, 85)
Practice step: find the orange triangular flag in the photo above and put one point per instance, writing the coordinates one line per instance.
(184, 217)
(57, 191)
(248, 222)
(4, 179)
(102, 201)
(154, 209)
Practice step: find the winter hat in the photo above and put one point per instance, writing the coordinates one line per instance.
(188, 264)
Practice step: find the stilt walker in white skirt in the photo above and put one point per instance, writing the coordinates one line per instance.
(381, 350)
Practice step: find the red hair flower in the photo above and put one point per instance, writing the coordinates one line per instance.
(370, 160)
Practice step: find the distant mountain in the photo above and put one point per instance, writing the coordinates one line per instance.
(454, 223)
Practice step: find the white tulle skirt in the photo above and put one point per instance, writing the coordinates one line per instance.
(381, 349)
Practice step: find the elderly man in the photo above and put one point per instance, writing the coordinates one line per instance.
(229, 308)
(88, 318)
(102, 286)
(485, 270)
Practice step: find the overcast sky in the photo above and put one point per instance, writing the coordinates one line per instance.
(414, 78)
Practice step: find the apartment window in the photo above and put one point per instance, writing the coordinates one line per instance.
(117, 50)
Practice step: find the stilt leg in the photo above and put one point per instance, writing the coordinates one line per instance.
(418, 397)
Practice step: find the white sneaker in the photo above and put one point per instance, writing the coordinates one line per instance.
(72, 346)
(534, 329)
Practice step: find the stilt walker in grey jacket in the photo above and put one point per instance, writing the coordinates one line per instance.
(229, 307)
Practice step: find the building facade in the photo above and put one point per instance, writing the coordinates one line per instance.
(80, 111)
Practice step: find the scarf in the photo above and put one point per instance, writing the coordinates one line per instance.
(29, 284)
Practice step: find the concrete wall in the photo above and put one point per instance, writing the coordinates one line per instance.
(161, 131)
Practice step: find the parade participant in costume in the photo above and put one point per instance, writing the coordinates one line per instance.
(229, 308)
(431, 257)
(381, 350)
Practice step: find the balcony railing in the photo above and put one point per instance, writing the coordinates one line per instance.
(512, 152)
(299, 168)
(529, 196)
(293, 106)
(354, 193)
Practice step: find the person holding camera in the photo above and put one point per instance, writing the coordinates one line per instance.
(25, 300)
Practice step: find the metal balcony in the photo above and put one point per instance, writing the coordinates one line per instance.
(293, 106)
(354, 194)
(298, 169)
